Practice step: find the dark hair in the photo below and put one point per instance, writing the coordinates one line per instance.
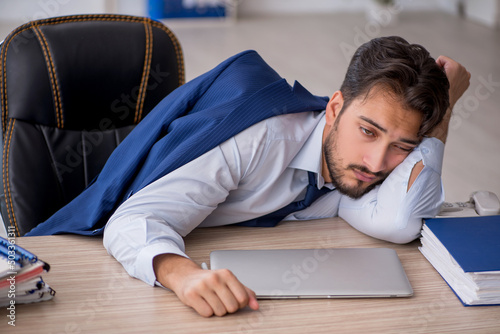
(407, 70)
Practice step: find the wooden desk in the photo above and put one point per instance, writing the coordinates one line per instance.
(96, 295)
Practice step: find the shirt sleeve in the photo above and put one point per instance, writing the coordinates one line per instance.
(155, 219)
(392, 213)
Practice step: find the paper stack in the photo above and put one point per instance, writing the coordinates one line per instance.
(466, 253)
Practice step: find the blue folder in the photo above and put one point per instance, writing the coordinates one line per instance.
(474, 242)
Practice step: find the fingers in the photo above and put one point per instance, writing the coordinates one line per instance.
(458, 76)
(444, 61)
(252, 300)
(232, 295)
(209, 292)
(217, 293)
(452, 68)
(198, 303)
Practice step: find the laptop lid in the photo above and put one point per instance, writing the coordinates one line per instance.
(317, 273)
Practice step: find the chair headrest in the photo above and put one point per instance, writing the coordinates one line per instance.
(88, 71)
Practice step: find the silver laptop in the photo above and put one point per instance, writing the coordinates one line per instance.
(317, 273)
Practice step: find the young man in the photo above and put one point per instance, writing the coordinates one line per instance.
(379, 145)
(375, 148)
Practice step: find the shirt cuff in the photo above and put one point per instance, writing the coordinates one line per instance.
(144, 263)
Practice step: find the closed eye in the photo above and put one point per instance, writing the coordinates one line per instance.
(405, 149)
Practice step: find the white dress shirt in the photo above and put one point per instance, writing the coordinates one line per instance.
(257, 172)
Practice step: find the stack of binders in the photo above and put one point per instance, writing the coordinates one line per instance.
(466, 253)
(20, 275)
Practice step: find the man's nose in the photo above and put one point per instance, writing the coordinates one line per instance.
(376, 159)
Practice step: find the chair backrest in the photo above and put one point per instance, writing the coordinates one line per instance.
(71, 89)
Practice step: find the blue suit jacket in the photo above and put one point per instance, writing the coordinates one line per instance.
(190, 121)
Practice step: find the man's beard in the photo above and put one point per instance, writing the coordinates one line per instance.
(337, 172)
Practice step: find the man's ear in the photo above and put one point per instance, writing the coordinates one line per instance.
(334, 107)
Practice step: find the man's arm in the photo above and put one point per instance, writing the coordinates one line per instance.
(459, 78)
(145, 235)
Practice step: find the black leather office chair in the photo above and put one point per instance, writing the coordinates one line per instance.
(71, 89)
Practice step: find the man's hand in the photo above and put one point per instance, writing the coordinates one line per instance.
(209, 292)
(459, 78)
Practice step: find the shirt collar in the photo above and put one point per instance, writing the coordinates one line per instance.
(309, 156)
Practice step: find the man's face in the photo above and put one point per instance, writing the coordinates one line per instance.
(369, 139)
